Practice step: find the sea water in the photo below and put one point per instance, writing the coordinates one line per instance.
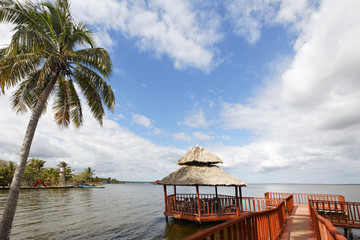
(126, 211)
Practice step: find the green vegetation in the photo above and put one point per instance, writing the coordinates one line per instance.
(50, 176)
(7, 170)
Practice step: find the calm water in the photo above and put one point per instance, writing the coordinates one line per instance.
(124, 211)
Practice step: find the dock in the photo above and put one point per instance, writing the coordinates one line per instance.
(299, 225)
(66, 187)
(297, 216)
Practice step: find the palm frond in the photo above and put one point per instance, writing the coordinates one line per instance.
(85, 80)
(75, 104)
(96, 58)
(101, 86)
(16, 67)
(61, 104)
(81, 34)
(26, 94)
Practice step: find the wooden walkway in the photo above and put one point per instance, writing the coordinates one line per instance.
(299, 224)
(288, 221)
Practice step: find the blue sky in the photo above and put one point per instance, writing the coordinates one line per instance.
(271, 87)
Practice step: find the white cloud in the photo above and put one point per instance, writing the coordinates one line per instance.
(119, 116)
(294, 11)
(307, 120)
(142, 120)
(196, 119)
(111, 150)
(171, 28)
(5, 34)
(202, 136)
(103, 39)
(249, 17)
(182, 136)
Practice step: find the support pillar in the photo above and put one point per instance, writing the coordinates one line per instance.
(237, 201)
(198, 201)
(165, 195)
(176, 207)
(241, 201)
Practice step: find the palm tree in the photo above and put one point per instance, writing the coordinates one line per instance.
(33, 170)
(37, 164)
(88, 173)
(63, 164)
(6, 173)
(45, 56)
(50, 176)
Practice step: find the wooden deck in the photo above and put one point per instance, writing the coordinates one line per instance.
(299, 224)
(341, 214)
(211, 207)
(288, 221)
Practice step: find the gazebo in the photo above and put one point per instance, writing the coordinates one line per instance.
(199, 169)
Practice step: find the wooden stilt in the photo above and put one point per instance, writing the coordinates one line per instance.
(198, 200)
(237, 201)
(176, 206)
(165, 195)
(216, 192)
(351, 236)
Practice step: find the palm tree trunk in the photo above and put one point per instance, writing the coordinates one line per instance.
(11, 203)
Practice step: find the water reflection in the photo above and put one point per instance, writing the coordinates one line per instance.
(178, 229)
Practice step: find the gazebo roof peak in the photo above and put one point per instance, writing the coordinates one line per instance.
(198, 156)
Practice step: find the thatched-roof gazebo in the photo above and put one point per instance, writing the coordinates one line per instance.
(198, 169)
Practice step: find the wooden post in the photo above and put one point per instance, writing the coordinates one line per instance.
(165, 198)
(216, 192)
(198, 200)
(241, 200)
(176, 207)
(237, 201)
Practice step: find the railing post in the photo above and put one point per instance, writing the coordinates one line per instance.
(241, 204)
(266, 195)
(268, 218)
(237, 201)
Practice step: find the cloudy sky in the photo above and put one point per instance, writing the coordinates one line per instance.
(272, 87)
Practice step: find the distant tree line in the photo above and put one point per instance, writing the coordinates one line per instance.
(50, 176)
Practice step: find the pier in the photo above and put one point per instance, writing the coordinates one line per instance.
(299, 225)
(297, 216)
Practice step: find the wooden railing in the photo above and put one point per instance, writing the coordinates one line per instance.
(256, 204)
(266, 224)
(260, 225)
(344, 214)
(323, 228)
(302, 198)
(211, 204)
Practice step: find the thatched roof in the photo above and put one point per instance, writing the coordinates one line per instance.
(201, 175)
(198, 156)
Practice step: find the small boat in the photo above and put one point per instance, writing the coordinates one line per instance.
(87, 186)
